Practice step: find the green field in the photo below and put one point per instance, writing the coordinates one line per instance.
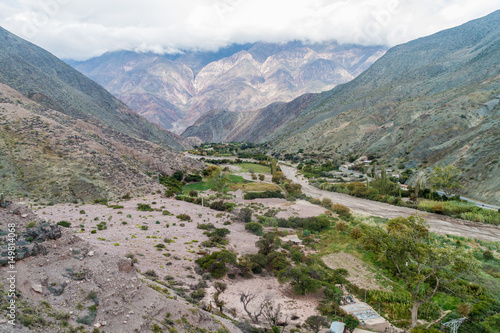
(257, 168)
(200, 187)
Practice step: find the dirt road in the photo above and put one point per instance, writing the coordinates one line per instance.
(439, 223)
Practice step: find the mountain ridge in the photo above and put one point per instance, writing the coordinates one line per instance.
(175, 90)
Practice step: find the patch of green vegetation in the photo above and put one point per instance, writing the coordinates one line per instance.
(200, 187)
(64, 224)
(256, 168)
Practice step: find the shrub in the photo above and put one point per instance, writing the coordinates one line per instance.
(245, 215)
(205, 226)
(193, 193)
(193, 178)
(64, 224)
(82, 211)
(341, 209)
(166, 212)
(144, 207)
(341, 226)
(184, 217)
(102, 201)
(216, 262)
(222, 206)
(296, 255)
(327, 203)
(356, 233)
(488, 255)
(151, 273)
(144, 227)
(263, 195)
(255, 228)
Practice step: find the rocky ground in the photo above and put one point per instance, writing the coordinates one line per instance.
(72, 285)
(177, 260)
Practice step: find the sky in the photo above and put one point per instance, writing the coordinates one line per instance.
(81, 29)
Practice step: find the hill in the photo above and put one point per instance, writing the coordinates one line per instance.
(430, 101)
(42, 77)
(50, 156)
(175, 90)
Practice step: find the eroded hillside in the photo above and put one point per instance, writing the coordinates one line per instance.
(54, 157)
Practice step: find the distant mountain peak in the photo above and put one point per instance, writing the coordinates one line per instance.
(174, 90)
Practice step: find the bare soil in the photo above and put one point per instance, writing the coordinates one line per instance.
(177, 260)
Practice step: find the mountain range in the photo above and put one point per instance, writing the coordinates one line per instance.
(434, 100)
(174, 90)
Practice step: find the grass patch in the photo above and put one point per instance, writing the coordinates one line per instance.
(254, 187)
(257, 168)
(200, 187)
(446, 302)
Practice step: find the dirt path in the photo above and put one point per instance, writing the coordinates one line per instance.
(439, 223)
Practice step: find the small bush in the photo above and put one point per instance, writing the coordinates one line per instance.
(166, 212)
(184, 217)
(144, 207)
(255, 228)
(64, 224)
(341, 209)
(245, 215)
(341, 226)
(151, 273)
(488, 255)
(82, 211)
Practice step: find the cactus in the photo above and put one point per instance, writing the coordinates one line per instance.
(2, 200)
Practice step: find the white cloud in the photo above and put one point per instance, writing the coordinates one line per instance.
(81, 29)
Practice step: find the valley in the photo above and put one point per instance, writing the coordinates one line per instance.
(284, 186)
(164, 239)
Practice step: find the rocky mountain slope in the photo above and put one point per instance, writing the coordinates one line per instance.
(51, 156)
(432, 100)
(40, 76)
(174, 90)
(68, 285)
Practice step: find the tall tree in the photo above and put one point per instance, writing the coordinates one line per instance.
(218, 181)
(412, 255)
(316, 323)
(445, 178)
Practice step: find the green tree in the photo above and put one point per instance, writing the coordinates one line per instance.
(315, 323)
(218, 181)
(412, 255)
(216, 262)
(267, 243)
(302, 279)
(445, 178)
(351, 322)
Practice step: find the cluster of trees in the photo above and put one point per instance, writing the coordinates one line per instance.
(413, 256)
